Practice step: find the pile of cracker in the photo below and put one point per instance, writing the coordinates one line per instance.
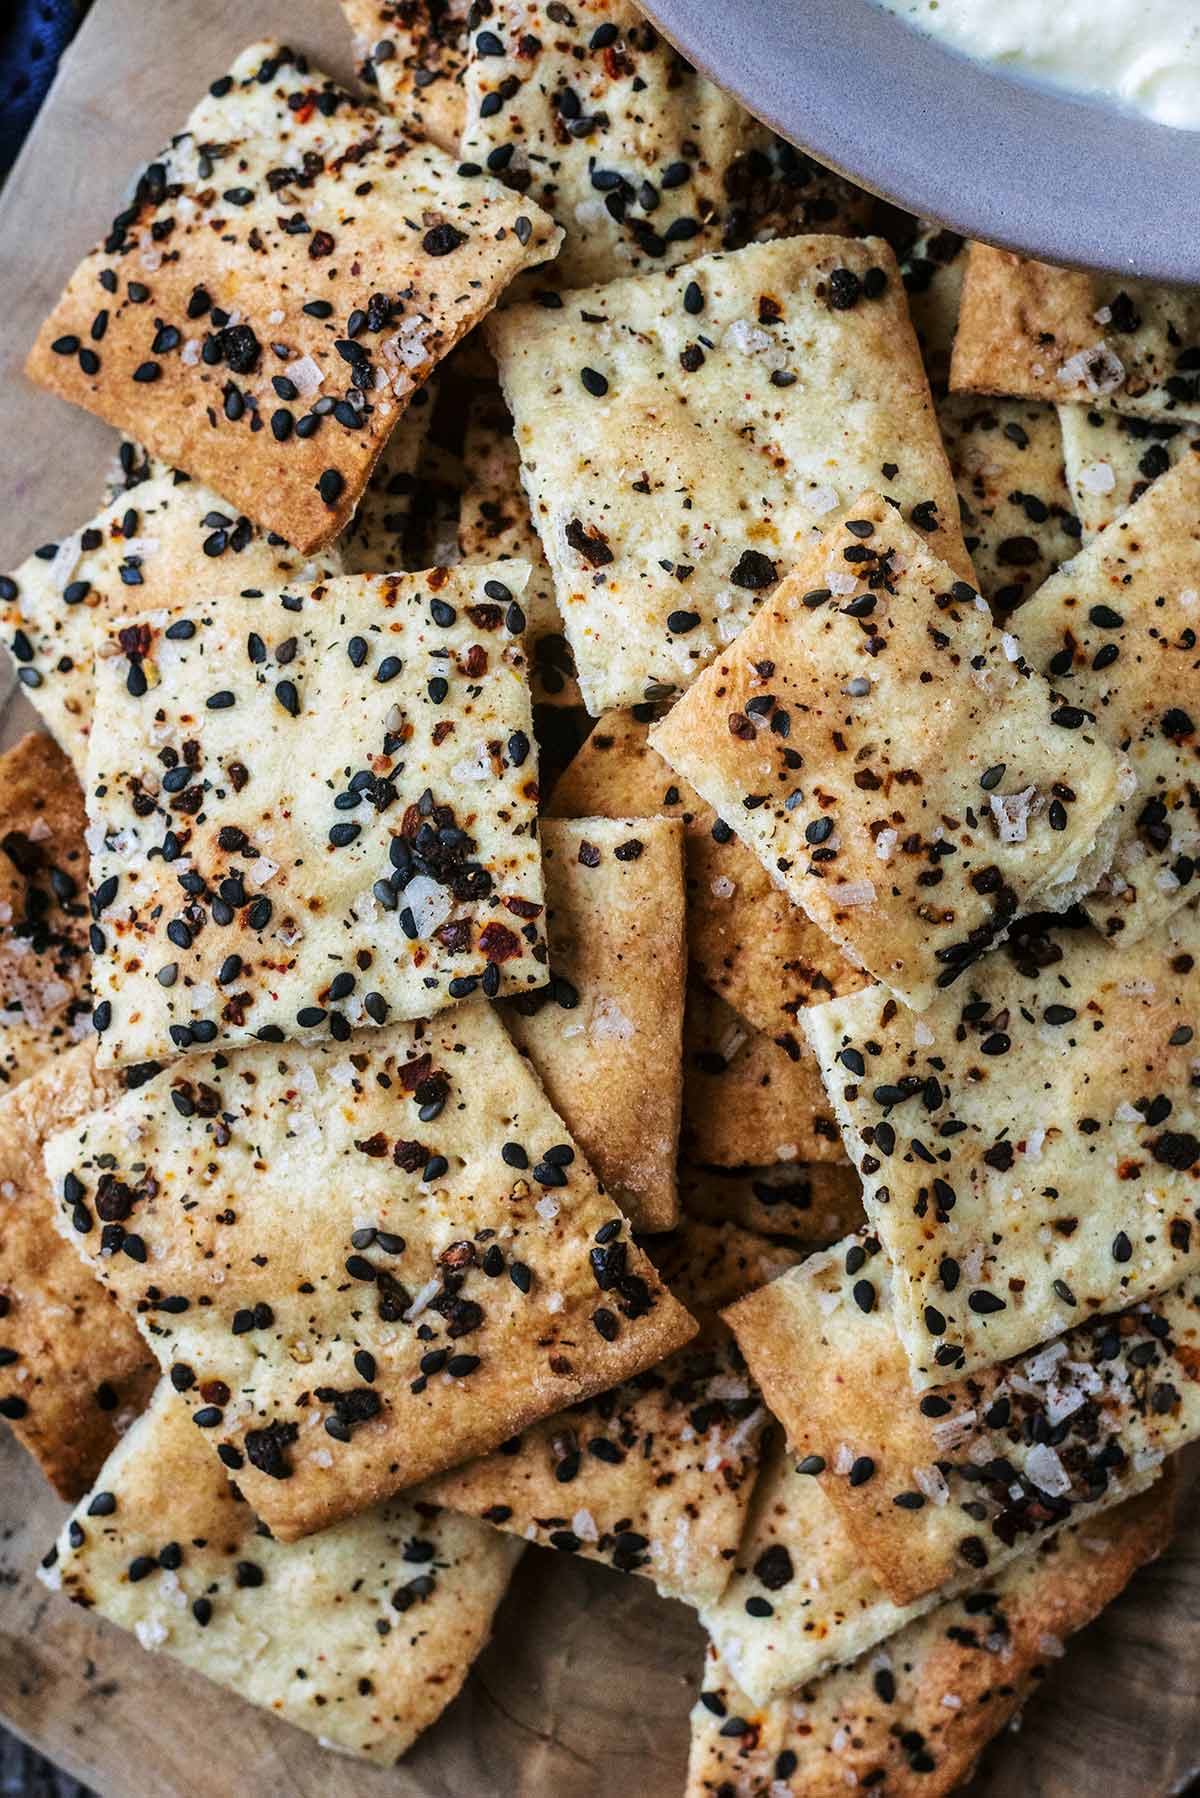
(602, 953)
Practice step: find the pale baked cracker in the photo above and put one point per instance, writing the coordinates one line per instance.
(1111, 459)
(746, 939)
(74, 1371)
(800, 1598)
(606, 1036)
(375, 539)
(1116, 632)
(1037, 1126)
(817, 1203)
(311, 1180)
(414, 52)
(370, 215)
(654, 1477)
(494, 524)
(668, 490)
(361, 1635)
(1006, 456)
(383, 815)
(1056, 334)
(748, 1099)
(44, 995)
(936, 1487)
(595, 116)
(168, 539)
(914, 819)
(911, 1719)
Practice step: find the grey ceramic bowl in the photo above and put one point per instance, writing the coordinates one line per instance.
(1024, 165)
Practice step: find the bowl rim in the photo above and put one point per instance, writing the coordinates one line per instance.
(1052, 174)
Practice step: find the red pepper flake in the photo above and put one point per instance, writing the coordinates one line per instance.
(498, 942)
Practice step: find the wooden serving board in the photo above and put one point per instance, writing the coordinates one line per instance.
(585, 1690)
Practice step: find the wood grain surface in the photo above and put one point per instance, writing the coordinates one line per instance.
(585, 1690)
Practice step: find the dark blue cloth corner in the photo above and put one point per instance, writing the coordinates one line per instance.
(33, 35)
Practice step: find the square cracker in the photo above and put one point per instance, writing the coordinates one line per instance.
(415, 54)
(654, 1477)
(282, 193)
(746, 939)
(593, 114)
(167, 538)
(883, 1723)
(1039, 332)
(683, 435)
(43, 911)
(816, 1204)
(892, 759)
(800, 1599)
(1111, 459)
(74, 1370)
(1027, 1145)
(317, 806)
(1116, 632)
(386, 1611)
(494, 524)
(933, 1486)
(606, 1037)
(393, 1238)
(749, 1100)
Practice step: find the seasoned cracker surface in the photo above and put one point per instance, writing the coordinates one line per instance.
(911, 1719)
(1116, 632)
(313, 809)
(320, 265)
(362, 1262)
(893, 760)
(167, 538)
(935, 1487)
(684, 435)
(361, 1635)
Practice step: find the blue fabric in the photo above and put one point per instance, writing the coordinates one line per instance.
(33, 35)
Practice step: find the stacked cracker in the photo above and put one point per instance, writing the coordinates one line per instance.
(850, 896)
